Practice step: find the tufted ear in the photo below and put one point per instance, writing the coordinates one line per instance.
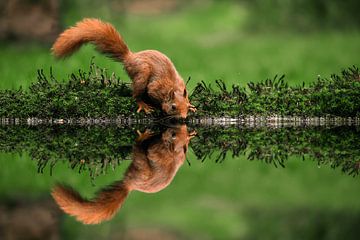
(172, 94)
(185, 93)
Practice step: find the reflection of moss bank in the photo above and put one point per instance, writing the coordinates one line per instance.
(95, 94)
(92, 148)
(337, 147)
(95, 148)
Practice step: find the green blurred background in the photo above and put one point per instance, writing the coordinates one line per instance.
(237, 41)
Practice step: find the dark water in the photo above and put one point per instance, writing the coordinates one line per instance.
(179, 182)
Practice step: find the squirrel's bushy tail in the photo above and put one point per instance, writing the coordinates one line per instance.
(103, 35)
(102, 208)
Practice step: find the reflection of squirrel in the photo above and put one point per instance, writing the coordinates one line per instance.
(156, 159)
(156, 83)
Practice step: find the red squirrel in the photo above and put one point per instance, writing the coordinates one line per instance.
(155, 161)
(155, 81)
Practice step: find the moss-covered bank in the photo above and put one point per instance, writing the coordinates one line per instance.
(97, 94)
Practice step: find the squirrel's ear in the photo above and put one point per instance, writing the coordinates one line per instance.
(172, 94)
(185, 93)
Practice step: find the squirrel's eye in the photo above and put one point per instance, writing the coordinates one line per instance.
(173, 106)
(173, 135)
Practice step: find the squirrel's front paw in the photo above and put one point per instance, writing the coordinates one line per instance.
(143, 136)
(192, 108)
(192, 134)
(143, 106)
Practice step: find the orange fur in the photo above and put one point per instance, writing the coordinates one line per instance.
(156, 159)
(102, 208)
(154, 77)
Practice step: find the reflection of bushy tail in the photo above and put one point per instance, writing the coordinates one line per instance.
(102, 208)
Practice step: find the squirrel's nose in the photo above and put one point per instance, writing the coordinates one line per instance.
(183, 115)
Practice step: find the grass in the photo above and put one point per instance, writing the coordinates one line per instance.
(206, 200)
(97, 94)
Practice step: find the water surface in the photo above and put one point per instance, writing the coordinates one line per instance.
(180, 182)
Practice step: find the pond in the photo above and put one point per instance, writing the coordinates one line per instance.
(209, 179)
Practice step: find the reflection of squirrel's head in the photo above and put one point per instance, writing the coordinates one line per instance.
(178, 103)
(162, 154)
(177, 138)
(156, 159)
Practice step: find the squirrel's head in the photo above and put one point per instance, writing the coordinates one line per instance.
(178, 103)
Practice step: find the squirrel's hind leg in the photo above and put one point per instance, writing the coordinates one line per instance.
(140, 83)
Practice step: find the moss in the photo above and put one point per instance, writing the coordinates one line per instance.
(337, 96)
(92, 94)
(96, 94)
